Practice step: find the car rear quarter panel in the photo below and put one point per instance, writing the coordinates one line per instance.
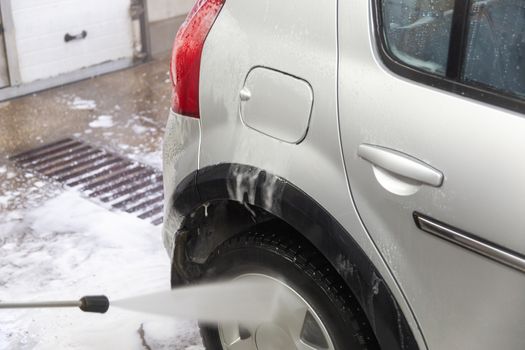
(180, 154)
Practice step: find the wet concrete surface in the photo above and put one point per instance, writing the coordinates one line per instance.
(137, 100)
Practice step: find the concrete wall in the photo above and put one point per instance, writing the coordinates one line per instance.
(163, 9)
(165, 17)
(40, 27)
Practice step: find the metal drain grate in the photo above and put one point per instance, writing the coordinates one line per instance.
(123, 184)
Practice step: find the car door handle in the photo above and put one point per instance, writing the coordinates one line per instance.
(400, 164)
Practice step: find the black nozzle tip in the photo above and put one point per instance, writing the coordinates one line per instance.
(94, 303)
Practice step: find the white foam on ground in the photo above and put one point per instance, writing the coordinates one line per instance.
(67, 248)
(139, 129)
(79, 103)
(153, 159)
(103, 121)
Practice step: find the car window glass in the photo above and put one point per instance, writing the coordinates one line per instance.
(417, 32)
(495, 53)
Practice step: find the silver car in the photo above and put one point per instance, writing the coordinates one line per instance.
(367, 156)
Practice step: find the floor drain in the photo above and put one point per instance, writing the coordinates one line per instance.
(124, 184)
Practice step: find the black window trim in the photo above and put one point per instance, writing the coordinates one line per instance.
(458, 32)
(450, 82)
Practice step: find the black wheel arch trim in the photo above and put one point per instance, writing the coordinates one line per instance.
(258, 188)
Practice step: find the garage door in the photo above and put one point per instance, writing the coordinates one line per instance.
(60, 36)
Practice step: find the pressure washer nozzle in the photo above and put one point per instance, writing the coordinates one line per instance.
(94, 303)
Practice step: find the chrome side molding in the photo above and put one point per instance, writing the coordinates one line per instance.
(466, 240)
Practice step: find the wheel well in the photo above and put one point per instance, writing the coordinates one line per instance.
(206, 228)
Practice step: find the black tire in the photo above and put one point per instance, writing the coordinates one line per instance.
(279, 253)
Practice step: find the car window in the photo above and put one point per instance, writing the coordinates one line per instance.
(495, 53)
(417, 32)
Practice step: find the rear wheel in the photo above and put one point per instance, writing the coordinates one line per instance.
(317, 310)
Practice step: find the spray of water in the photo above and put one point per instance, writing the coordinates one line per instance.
(250, 300)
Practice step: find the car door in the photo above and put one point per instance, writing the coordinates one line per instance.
(433, 137)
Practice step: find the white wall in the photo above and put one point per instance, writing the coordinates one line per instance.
(40, 26)
(162, 9)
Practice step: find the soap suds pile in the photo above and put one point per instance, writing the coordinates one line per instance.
(68, 247)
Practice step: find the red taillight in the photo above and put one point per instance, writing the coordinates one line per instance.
(186, 57)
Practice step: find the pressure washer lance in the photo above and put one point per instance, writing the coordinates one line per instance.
(93, 303)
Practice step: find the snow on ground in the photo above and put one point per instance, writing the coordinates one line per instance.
(68, 247)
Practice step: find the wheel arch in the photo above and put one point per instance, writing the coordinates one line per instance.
(220, 201)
